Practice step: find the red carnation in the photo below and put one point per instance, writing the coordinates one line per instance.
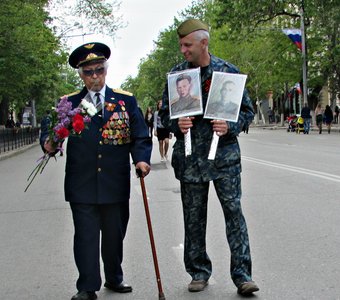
(78, 123)
(63, 133)
(77, 117)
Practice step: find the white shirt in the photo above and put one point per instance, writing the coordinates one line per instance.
(101, 96)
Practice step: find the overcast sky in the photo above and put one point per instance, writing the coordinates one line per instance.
(146, 18)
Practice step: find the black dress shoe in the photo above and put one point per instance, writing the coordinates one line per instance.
(119, 288)
(84, 296)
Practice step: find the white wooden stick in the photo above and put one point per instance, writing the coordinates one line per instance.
(213, 146)
(187, 143)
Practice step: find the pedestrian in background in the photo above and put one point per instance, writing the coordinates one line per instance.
(148, 117)
(270, 115)
(305, 114)
(10, 123)
(336, 114)
(245, 128)
(319, 117)
(195, 171)
(44, 127)
(328, 118)
(162, 133)
(97, 175)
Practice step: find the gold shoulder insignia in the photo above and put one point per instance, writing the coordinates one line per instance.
(72, 94)
(120, 91)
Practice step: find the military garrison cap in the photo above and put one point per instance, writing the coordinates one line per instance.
(87, 53)
(190, 26)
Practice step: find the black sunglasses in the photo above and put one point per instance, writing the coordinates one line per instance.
(90, 72)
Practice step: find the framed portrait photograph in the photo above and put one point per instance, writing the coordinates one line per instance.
(225, 96)
(185, 95)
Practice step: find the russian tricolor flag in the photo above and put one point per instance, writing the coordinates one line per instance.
(295, 36)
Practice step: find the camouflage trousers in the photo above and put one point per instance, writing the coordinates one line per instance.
(195, 201)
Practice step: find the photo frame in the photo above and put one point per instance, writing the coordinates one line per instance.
(225, 96)
(185, 95)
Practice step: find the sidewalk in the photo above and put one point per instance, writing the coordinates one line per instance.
(278, 126)
(8, 154)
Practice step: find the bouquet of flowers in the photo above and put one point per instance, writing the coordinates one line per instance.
(65, 121)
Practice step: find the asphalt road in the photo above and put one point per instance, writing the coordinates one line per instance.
(291, 187)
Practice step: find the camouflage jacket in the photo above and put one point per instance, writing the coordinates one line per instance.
(197, 167)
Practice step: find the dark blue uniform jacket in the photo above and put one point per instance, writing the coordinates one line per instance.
(98, 161)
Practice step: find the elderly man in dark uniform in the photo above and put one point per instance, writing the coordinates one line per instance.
(97, 180)
(185, 103)
(196, 171)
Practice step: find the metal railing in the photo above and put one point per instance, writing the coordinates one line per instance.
(14, 138)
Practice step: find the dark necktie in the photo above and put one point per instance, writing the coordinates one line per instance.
(97, 98)
(98, 102)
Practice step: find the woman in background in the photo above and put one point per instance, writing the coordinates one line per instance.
(162, 134)
(148, 117)
(319, 117)
(328, 114)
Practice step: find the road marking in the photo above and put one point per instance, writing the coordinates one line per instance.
(323, 175)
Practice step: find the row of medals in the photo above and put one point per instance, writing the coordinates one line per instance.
(116, 130)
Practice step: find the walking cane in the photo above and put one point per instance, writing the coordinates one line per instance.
(152, 242)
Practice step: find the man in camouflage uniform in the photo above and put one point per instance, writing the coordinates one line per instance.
(196, 171)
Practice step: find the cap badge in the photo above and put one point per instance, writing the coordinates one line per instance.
(89, 46)
(91, 56)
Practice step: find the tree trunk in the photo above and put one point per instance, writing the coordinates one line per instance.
(4, 106)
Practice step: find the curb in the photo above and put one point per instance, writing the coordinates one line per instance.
(17, 151)
(278, 127)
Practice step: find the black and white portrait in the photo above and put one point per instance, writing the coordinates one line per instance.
(225, 96)
(185, 98)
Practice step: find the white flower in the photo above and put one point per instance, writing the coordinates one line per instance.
(89, 108)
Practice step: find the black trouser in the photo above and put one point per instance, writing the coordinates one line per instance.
(89, 220)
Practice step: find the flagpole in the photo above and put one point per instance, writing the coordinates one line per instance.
(304, 60)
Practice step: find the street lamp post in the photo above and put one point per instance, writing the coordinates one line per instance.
(304, 58)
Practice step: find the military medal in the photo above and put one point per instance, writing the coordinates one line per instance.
(110, 106)
(117, 130)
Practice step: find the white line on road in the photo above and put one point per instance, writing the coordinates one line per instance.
(318, 174)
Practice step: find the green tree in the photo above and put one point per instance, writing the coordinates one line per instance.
(263, 55)
(27, 69)
(32, 59)
(249, 35)
(321, 23)
(149, 84)
(96, 15)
